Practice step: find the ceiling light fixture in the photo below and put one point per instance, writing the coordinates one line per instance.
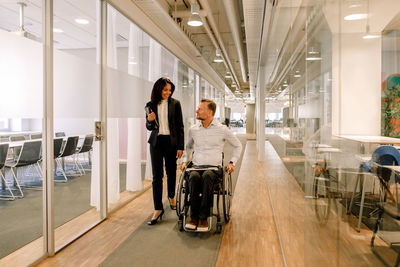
(195, 19)
(82, 21)
(218, 58)
(228, 75)
(297, 74)
(314, 55)
(356, 16)
(367, 34)
(312, 51)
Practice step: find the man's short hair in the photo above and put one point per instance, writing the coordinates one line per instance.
(210, 105)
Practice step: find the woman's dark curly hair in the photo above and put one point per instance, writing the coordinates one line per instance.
(158, 87)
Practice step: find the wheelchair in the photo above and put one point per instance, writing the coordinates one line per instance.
(222, 190)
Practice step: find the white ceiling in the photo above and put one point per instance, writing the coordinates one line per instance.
(194, 41)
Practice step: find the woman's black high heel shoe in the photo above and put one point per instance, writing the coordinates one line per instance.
(154, 221)
(172, 206)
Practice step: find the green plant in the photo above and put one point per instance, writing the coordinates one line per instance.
(391, 111)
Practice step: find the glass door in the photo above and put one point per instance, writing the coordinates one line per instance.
(76, 108)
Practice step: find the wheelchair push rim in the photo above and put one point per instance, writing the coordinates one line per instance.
(227, 196)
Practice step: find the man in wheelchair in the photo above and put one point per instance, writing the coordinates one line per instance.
(206, 141)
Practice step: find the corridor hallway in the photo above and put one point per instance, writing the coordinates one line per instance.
(251, 237)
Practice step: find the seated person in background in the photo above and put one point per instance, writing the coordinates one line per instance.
(207, 140)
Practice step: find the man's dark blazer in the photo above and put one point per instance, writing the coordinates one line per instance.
(175, 123)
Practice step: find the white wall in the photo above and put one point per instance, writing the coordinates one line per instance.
(76, 87)
(356, 95)
(21, 76)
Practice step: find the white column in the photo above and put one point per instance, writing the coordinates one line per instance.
(95, 179)
(133, 168)
(134, 152)
(133, 50)
(149, 172)
(113, 160)
(154, 61)
(154, 74)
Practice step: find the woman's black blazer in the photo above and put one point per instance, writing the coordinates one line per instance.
(175, 122)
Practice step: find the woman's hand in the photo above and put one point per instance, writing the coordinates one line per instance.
(182, 166)
(151, 116)
(179, 154)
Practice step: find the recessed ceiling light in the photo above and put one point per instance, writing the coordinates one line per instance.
(57, 30)
(356, 16)
(82, 21)
(371, 36)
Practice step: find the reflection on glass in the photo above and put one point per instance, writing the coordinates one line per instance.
(21, 206)
(76, 108)
(330, 104)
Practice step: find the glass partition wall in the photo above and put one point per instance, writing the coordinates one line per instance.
(331, 102)
(21, 114)
(134, 62)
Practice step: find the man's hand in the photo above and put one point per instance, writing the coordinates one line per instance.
(182, 166)
(230, 167)
(179, 154)
(150, 116)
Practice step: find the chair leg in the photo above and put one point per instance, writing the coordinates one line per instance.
(76, 164)
(17, 183)
(38, 170)
(378, 222)
(62, 171)
(353, 195)
(5, 197)
(82, 168)
(361, 205)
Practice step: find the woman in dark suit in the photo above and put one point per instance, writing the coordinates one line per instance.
(164, 120)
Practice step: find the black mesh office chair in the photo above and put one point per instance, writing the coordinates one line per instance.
(36, 136)
(85, 148)
(29, 155)
(388, 204)
(16, 150)
(69, 150)
(16, 138)
(60, 134)
(57, 148)
(5, 186)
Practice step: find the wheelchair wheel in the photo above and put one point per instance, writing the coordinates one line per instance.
(180, 194)
(219, 228)
(226, 196)
(180, 224)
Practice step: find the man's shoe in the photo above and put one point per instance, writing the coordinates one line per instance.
(191, 225)
(203, 226)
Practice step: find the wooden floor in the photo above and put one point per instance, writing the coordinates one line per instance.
(251, 238)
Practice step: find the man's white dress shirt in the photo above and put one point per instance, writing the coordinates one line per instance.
(208, 144)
